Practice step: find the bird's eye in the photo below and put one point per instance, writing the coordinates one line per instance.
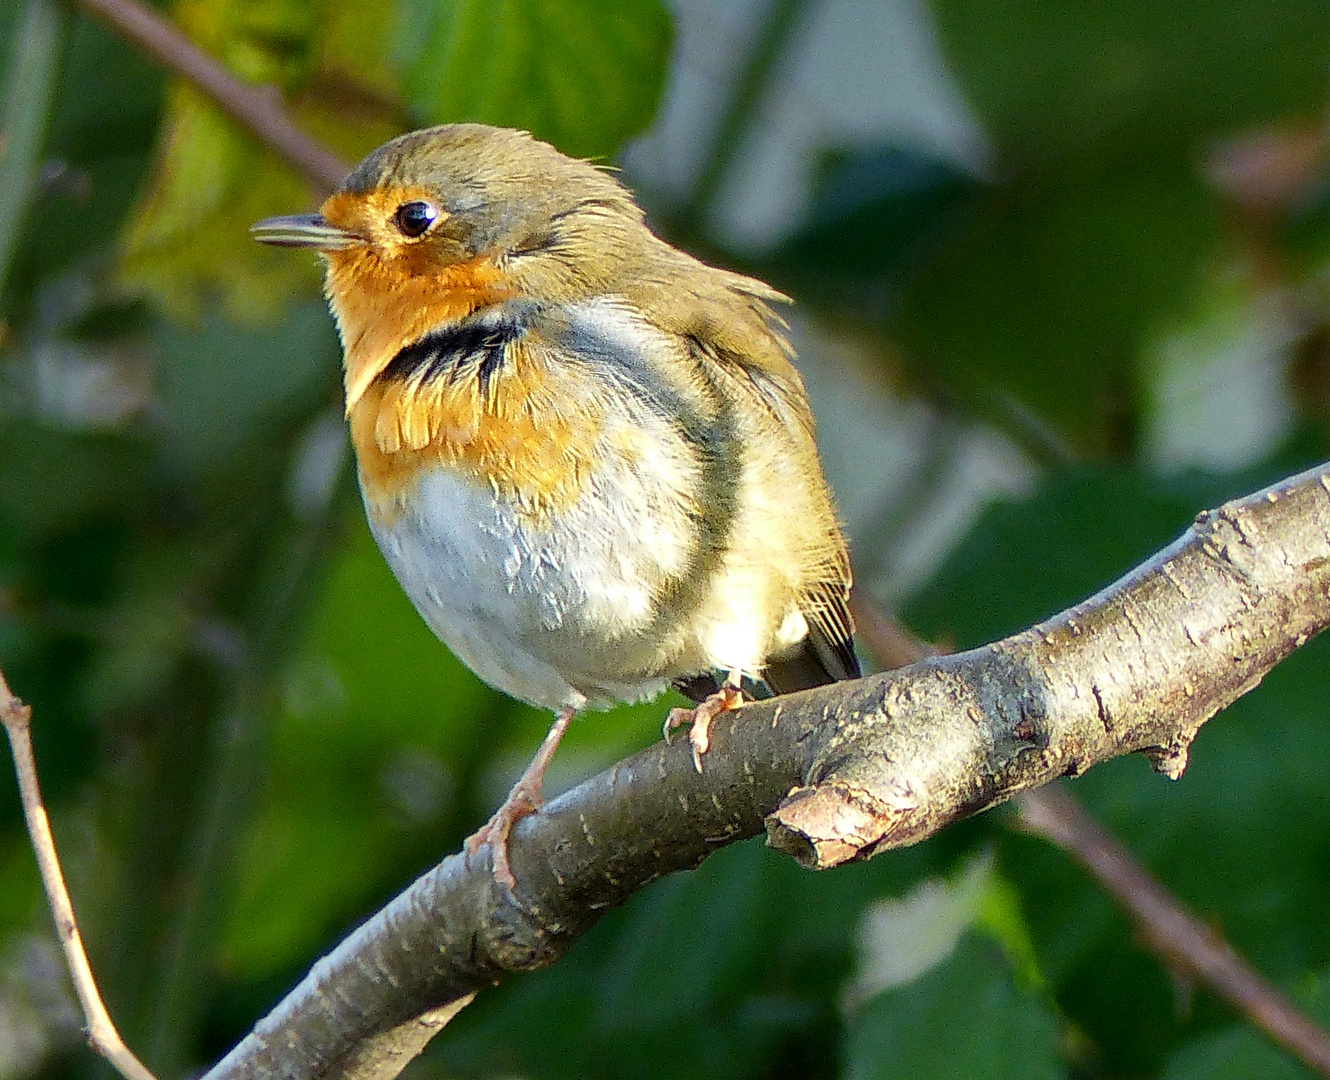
(413, 218)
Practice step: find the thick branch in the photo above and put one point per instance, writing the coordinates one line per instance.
(1138, 667)
(842, 772)
(1186, 943)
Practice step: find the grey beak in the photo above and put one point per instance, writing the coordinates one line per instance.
(302, 230)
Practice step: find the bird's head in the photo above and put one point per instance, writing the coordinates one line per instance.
(440, 222)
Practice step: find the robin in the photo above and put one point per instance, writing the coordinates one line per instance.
(586, 455)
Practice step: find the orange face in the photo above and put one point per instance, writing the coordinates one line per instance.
(389, 290)
(386, 293)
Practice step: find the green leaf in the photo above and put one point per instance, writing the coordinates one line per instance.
(581, 74)
(1055, 79)
(963, 1018)
(1046, 295)
(188, 238)
(189, 234)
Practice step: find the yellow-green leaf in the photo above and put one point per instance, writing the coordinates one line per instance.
(582, 74)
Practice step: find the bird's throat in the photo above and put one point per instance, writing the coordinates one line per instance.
(381, 309)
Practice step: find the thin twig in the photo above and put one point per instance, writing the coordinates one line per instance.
(102, 1034)
(259, 109)
(1169, 928)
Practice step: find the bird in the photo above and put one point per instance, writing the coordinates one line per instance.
(586, 455)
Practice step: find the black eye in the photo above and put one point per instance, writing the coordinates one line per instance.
(414, 218)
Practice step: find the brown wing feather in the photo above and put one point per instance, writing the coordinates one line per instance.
(825, 600)
(827, 654)
(831, 629)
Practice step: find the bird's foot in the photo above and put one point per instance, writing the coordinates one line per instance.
(723, 700)
(521, 800)
(524, 798)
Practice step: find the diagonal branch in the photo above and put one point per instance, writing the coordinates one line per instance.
(258, 109)
(1170, 929)
(101, 1031)
(839, 773)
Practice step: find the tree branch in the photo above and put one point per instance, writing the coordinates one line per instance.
(258, 109)
(1170, 929)
(842, 772)
(101, 1031)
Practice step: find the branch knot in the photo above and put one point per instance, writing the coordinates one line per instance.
(831, 823)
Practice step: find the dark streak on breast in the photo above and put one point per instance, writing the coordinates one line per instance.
(475, 347)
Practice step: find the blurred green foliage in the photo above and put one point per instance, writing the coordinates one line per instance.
(250, 740)
(580, 73)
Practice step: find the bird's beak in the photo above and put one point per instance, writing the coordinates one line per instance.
(303, 230)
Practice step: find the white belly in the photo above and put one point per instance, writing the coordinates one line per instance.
(555, 609)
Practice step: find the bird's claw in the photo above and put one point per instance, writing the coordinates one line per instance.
(699, 734)
(524, 798)
(520, 802)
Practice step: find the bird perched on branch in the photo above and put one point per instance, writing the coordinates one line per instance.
(586, 455)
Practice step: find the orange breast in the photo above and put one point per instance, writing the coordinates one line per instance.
(522, 438)
(381, 310)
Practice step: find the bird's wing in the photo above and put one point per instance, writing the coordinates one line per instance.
(828, 653)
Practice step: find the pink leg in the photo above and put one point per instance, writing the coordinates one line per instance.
(723, 700)
(524, 798)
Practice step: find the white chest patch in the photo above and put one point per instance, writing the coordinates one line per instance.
(552, 608)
